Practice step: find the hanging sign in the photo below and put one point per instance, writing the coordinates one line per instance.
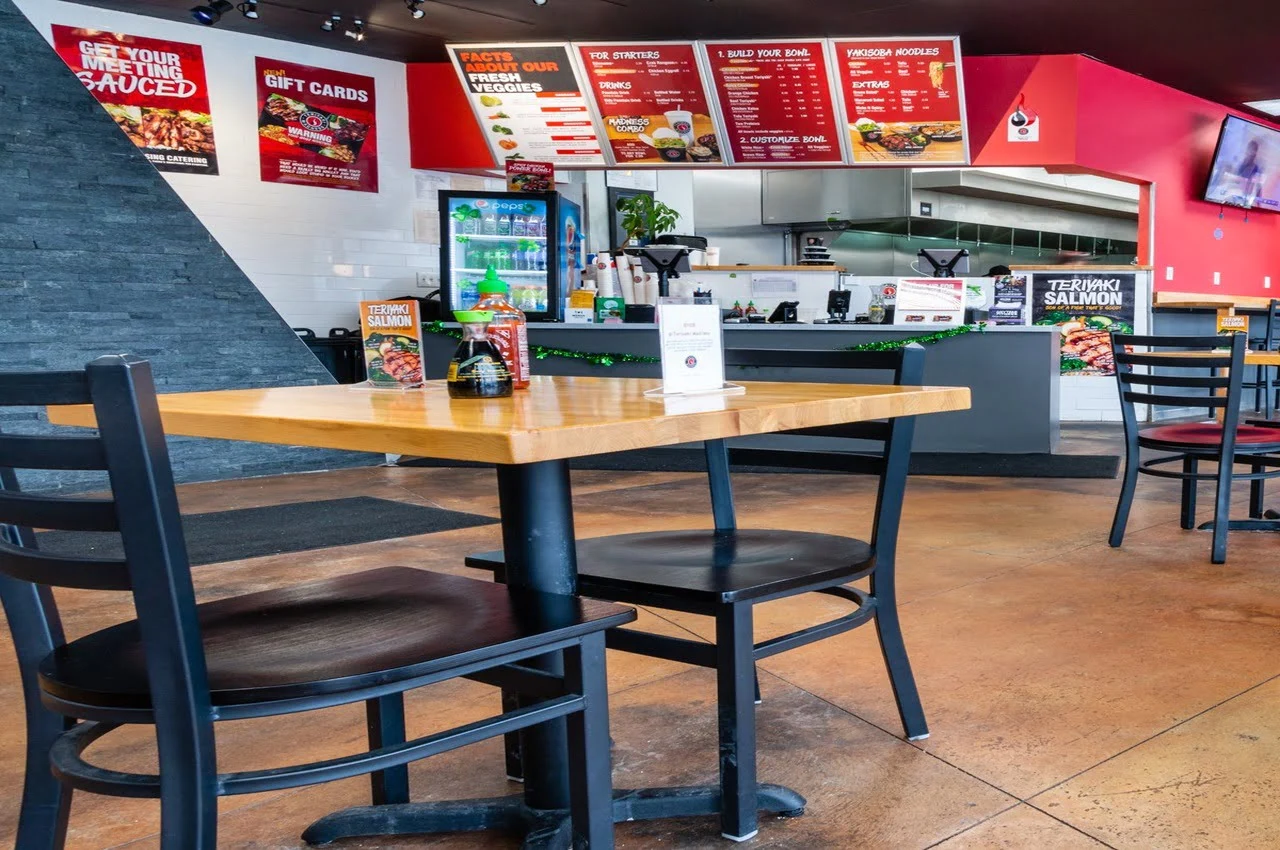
(152, 88)
(526, 176)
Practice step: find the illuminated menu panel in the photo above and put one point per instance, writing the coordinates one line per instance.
(902, 100)
(529, 101)
(652, 102)
(775, 100)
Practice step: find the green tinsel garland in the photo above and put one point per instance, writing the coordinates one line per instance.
(608, 358)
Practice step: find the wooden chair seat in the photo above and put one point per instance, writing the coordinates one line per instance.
(710, 567)
(1209, 434)
(381, 626)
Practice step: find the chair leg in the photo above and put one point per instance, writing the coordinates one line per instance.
(1222, 511)
(188, 790)
(896, 662)
(1269, 392)
(385, 719)
(590, 758)
(1190, 465)
(735, 680)
(46, 802)
(1127, 487)
(1257, 493)
(756, 676)
(511, 741)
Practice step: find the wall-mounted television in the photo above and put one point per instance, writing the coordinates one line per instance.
(1246, 166)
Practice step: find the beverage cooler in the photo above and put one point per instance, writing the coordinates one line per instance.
(531, 239)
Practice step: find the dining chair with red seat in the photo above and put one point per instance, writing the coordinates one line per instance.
(181, 667)
(1189, 443)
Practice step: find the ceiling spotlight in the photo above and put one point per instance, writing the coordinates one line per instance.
(357, 30)
(415, 8)
(249, 8)
(210, 14)
(539, 2)
(331, 22)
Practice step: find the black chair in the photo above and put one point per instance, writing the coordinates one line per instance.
(1264, 385)
(725, 571)
(181, 667)
(1188, 443)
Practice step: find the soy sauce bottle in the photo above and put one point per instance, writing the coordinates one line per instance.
(477, 369)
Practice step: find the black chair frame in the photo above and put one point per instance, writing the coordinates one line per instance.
(1222, 394)
(143, 508)
(734, 653)
(1266, 394)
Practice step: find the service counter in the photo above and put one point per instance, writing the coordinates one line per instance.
(1012, 373)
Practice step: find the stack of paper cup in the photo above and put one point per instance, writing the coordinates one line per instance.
(713, 256)
(650, 289)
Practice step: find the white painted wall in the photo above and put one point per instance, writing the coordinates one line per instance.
(313, 252)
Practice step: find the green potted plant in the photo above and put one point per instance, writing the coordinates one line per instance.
(644, 217)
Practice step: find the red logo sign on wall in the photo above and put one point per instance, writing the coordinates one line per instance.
(316, 126)
(153, 89)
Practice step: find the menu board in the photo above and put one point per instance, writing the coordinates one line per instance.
(653, 103)
(529, 101)
(902, 100)
(153, 89)
(316, 126)
(776, 102)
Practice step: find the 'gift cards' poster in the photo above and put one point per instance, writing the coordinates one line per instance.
(316, 126)
(153, 89)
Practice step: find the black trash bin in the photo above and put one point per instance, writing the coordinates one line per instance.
(339, 352)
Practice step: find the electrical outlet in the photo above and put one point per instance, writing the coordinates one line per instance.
(1168, 273)
(427, 280)
(1266, 282)
(1217, 278)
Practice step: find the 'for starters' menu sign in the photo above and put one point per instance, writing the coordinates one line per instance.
(901, 100)
(652, 101)
(776, 102)
(529, 101)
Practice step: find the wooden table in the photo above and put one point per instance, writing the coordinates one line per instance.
(530, 437)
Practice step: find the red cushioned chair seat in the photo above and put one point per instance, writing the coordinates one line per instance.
(1210, 434)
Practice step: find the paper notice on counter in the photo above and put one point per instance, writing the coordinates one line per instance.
(692, 348)
(1009, 303)
(929, 301)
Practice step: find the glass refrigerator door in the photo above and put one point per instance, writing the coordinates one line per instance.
(507, 233)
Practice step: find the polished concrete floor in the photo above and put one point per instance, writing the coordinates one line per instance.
(1078, 696)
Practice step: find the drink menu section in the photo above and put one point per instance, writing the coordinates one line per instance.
(652, 103)
(530, 102)
(902, 100)
(776, 102)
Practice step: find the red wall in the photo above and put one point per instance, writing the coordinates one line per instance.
(443, 133)
(1099, 119)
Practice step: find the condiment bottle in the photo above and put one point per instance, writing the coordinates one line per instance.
(508, 330)
(736, 312)
(751, 309)
(477, 369)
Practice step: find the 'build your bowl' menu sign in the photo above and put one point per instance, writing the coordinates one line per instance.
(652, 102)
(530, 102)
(776, 101)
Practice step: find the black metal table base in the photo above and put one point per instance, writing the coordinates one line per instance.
(543, 829)
(1271, 523)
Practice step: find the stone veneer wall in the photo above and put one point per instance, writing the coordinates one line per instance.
(98, 255)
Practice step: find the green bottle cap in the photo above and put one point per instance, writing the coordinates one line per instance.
(471, 317)
(491, 284)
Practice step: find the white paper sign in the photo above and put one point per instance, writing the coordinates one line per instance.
(692, 348)
(930, 301)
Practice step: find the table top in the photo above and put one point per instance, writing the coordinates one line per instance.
(556, 418)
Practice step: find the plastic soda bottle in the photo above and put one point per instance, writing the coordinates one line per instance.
(508, 330)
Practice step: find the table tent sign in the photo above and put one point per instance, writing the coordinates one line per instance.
(929, 301)
(391, 338)
(691, 340)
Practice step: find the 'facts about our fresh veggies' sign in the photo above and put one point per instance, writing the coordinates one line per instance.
(1087, 307)
(153, 89)
(316, 126)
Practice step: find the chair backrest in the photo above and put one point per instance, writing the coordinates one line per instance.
(1272, 337)
(1180, 372)
(882, 448)
(142, 508)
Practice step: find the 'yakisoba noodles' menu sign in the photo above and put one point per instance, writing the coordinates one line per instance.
(316, 126)
(652, 102)
(902, 100)
(776, 101)
(153, 89)
(529, 101)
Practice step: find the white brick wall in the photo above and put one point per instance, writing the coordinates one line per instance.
(314, 253)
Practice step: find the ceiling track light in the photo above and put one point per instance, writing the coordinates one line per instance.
(211, 13)
(331, 22)
(415, 9)
(249, 8)
(539, 2)
(357, 30)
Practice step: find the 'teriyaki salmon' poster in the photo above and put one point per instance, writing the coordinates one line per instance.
(1086, 307)
(392, 332)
